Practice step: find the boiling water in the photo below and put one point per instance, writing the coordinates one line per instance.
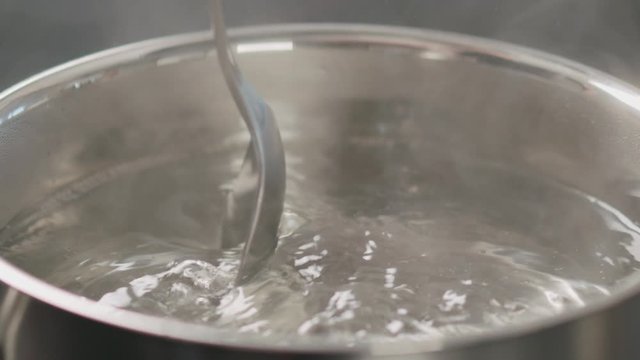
(444, 260)
(371, 244)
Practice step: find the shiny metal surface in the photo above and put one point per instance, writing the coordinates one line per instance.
(256, 200)
(48, 142)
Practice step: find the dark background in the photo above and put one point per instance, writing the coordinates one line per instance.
(36, 34)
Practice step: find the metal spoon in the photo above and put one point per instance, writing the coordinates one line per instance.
(256, 201)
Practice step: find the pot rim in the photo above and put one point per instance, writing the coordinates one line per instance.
(66, 76)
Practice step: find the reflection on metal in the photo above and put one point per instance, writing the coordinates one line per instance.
(626, 96)
(264, 47)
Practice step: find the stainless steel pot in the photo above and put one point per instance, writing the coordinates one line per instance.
(506, 105)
